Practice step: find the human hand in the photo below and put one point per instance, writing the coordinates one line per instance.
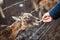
(46, 17)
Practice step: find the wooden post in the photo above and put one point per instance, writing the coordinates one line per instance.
(1, 11)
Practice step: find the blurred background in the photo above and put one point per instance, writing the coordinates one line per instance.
(49, 31)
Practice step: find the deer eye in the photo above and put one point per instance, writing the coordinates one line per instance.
(26, 17)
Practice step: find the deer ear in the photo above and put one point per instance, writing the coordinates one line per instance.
(16, 18)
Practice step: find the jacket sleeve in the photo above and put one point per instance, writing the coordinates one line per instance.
(55, 11)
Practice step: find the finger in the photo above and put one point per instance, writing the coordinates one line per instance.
(46, 18)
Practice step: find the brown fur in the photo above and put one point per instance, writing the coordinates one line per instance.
(30, 19)
(43, 6)
(47, 4)
(10, 32)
